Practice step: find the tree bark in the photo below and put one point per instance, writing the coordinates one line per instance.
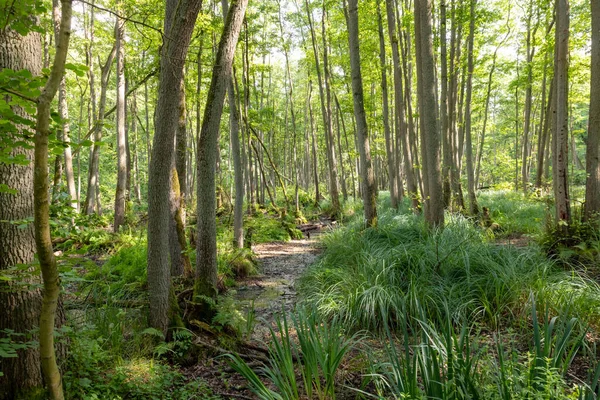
(326, 113)
(400, 123)
(391, 160)
(63, 112)
(369, 192)
(121, 191)
(180, 17)
(561, 142)
(434, 212)
(51, 373)
(592, 186)
(473, 206)
(91, 204)
(206, 267)
(21, 307)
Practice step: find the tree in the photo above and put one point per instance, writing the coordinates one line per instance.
(326, 114)
(51, 373)
(430, 132)
(391, 163)
(473, 207)
(180, 17)
(206, 245)
(369, 192)
(21, 307)
(121, 192)
(63, 112)
(592, 187)
(400, 122)
(561, 126)
(234, 133)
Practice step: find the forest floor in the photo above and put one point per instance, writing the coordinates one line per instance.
(265, 295)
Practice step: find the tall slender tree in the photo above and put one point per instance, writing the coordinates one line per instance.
(180, 17)
(429, 124)
(473, 206)
(206, 244)
(592, 162)
(48, 266)
(121, 191)
(561, 131)
(369, 192)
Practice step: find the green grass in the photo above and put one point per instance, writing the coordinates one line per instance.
(370, 277)
(515, 213)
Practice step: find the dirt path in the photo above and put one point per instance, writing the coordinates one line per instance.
(280, 264)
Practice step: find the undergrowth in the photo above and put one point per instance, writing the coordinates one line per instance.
(366, 277)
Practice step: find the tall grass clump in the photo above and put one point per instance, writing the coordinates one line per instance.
(456, 362)
(370, 277)
(514, 212)
(315, 346)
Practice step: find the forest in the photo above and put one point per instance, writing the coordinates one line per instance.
(300, 199)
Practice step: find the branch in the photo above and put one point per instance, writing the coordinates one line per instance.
(119, 16)
(112, 110)
(15, 93)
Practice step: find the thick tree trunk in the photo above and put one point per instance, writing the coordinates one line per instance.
(206, 268)
(592, 162)
(368, 178)
(434, 214)
(121, 191)
(180, 16)
(17, 246)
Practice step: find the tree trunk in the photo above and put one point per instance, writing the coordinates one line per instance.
(473, 207)
(561, 134)
(391, 161)
(206, 268)
(180, 16)
(400, 123)
(368, 178)
(91, 204)
(446, 142)
(326, 113)
(528, 96)
(434, 214)
(592, 185)
(50, 371)
(21, 308)
(121, 191)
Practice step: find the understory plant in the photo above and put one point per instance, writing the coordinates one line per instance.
(316, 347)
